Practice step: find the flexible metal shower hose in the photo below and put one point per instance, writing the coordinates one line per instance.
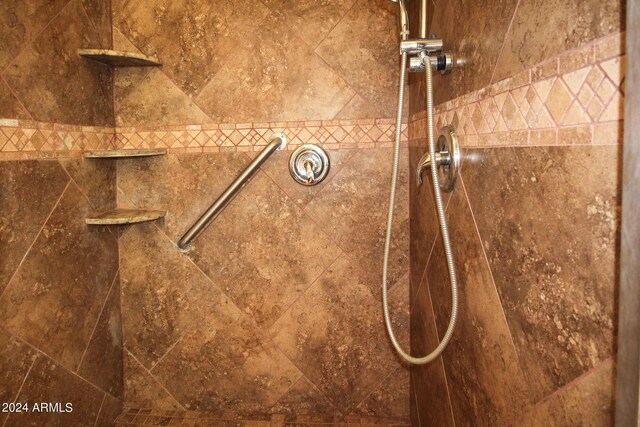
(441, 218)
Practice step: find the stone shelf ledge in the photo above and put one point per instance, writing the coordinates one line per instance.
(120, 154)
(114, 58)
(125, 216)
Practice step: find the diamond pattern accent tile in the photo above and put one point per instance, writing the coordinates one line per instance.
(581, 95)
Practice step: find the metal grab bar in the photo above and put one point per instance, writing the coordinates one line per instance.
(276, 143)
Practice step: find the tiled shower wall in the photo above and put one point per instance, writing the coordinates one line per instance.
(534, 219)
(60, 337)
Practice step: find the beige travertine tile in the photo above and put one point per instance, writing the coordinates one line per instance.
(558, 100)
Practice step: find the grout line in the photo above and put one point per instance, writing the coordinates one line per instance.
(31, 40)
(154, 378)
(346, 104)
(100, 410)
(16, 96)
(93, 25)
(95, 327)
(493, 281)
(24, 380)
(377, 386)
(58, 364)
(155, 364)
(506, 35)
(55, 205)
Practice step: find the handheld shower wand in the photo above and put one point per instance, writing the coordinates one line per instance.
(421, 47)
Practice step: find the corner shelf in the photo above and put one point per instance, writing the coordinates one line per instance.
(121, 154)
(125, 216)
(115, 58)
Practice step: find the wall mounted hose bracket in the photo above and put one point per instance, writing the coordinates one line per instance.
(447, 160)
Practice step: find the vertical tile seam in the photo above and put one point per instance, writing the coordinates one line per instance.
(504, 41)
(24, 380)
(95, 326)
(100, 410)
(154, 378)
(55, 206)
(493, 282)
(35, 37)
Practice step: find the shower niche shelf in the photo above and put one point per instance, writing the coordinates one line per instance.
(125, 217)
(122, 154)
(116, 58)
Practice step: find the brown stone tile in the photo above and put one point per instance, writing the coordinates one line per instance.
(80, 91)
(335, 334)
(16, 359)
(99, 12)
(96, 179)
(56, 296)
(109, 411)
(102, 361)
(353, 207)
(192, 41)
(304, 399)
(390, 399)
(423, 220)
(573, 23)
(143, 389)
(151, 99)
(372, 69)
(274, 76)
(151, 183)
(229, 364)
(21, 22)
(310, 19)
(29, 191)
(277, 168)
(481, 362)
(10, 106)
(475, 31)
(269, 257)
(587, 401)
(550, 231)
(164, 295)
(50, 382)
(359, 108)
(431, 403)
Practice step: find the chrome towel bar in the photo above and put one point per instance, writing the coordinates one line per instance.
(276, 143)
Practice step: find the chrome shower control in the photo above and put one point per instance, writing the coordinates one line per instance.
(447, 160)
(309, 164)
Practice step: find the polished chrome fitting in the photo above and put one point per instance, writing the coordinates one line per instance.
(309, 164)
(443, 62)
(447, 160)
(416, 46)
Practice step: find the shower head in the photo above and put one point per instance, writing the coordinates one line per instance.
(403, 19)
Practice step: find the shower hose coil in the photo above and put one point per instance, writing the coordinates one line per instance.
(441, 219)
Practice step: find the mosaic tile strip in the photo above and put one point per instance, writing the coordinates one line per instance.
(574, 98)
(32, 140)
(21, 139)
(334, 134)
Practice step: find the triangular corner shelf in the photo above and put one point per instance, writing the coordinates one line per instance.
(115, 58)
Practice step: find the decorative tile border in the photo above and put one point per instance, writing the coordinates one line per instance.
(334, 134)
(574, 98)
(21, 140)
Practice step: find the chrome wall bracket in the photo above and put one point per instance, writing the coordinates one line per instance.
(309, 164)
(447, 160)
